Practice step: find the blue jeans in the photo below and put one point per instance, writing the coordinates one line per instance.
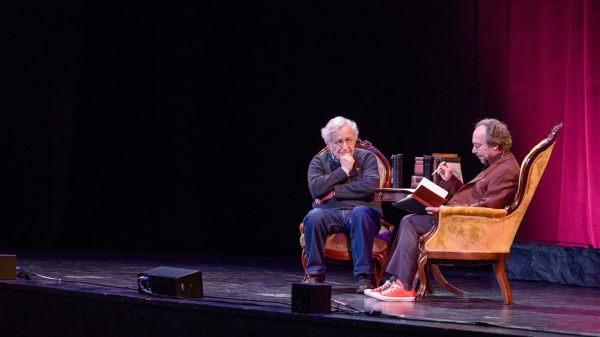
(361, 223)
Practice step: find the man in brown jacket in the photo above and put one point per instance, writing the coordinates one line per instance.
(493, 187)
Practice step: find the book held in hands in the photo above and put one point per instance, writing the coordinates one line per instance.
(427, 194)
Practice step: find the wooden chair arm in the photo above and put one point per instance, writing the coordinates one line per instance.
(472, 211)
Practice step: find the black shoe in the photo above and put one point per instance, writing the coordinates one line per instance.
(364, 282)
(314, 278)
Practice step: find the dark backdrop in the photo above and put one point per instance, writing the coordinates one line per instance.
(189, 128)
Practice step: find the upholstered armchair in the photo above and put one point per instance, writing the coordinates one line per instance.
(338, 247)
(468, 236)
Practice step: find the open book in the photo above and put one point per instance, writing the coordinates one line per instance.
(427, 194)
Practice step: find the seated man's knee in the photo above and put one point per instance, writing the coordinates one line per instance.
(361, 211)
(314, 219)
(416, 223)
(368, 217)
(406, 220)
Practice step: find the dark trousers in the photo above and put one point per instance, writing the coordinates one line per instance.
(403, 255)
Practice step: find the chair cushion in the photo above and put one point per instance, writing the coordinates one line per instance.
(339, 242)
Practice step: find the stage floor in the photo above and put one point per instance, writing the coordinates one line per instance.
(261, 287)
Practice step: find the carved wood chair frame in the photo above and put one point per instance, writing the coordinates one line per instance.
(385, 182)
(428, 261)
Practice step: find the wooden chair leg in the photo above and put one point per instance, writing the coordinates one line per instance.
(503, 282)
(417, 282)
(303, 259)
(376, 272)
(423, 281)
(437, 274)
(429, 288)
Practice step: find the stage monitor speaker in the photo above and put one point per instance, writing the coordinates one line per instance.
(311, 298)
(8, 267)
(171, 281)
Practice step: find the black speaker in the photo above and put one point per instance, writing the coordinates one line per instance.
(171, 281)
(311, 298)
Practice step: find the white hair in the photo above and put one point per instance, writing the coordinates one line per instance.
(335, 124)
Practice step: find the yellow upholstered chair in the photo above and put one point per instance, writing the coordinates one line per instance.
(470, 236)
(338, 247)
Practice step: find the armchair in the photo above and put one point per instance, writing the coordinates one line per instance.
(338, 247)
(469, 236)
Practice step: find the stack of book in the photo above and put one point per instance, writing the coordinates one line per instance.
(450, 158)
(418, 173)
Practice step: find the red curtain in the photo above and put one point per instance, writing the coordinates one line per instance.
(539, 65)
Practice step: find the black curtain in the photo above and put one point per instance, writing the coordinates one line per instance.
(189, 127)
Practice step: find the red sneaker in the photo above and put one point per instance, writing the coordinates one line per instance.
(385, 286)
(392, 291)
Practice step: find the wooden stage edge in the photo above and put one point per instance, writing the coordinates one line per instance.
(251, 296)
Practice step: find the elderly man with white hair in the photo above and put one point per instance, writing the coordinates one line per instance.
(341, 183)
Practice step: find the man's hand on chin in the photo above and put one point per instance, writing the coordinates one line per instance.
(347, 162)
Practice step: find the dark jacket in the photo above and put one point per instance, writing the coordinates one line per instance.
(326, 174)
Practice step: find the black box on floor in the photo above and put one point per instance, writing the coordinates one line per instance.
(8, 267)
(171, 281)
(310, 298)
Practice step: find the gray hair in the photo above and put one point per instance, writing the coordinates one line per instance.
(335, 124)
(496, 133)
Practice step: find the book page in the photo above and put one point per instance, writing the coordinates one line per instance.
(456, 171)
(433, 187)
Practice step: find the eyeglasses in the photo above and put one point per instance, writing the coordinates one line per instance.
(338, 143)
(477, 146)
